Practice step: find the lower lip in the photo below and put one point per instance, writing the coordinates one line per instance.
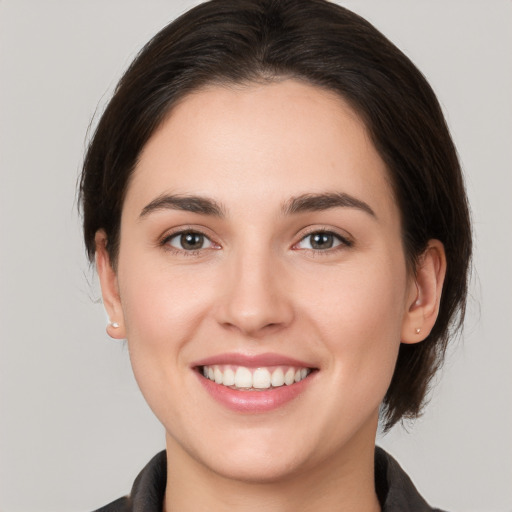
(255, 401)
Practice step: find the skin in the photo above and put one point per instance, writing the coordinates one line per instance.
(257, 286)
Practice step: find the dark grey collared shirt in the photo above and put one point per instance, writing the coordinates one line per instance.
(395, 490)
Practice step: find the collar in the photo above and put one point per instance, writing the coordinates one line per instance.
(395, 490)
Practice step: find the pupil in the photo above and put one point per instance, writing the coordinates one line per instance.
(192, 241)
(321, 241)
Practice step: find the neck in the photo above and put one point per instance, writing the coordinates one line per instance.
(345, 482)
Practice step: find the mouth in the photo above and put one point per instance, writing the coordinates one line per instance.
(243, 378)
(254, 384)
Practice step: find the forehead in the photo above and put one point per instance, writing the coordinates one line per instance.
(259, 141)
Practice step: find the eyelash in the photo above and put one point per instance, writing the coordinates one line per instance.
(184, 252)
(343, 242)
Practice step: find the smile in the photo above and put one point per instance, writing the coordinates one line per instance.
(250, 379)
(254, 384)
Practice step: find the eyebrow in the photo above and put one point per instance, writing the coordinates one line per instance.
(325, 201)
(195, 204)
(299, 204)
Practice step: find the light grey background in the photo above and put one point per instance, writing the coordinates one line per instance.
(74, 430)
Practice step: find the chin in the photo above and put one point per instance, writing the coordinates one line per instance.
(260, 454)
(271, 469)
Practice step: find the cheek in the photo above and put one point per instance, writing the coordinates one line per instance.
(163, 306)
(358, 313)
(164, 309)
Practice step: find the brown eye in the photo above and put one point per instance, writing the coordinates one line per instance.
(190, 241)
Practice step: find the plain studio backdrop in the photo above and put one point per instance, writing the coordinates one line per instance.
(74, 429)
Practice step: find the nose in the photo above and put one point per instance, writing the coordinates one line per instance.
(255, 299)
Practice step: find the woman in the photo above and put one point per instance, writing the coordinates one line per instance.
(281, 234)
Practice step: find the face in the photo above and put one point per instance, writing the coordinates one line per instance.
(261, 280)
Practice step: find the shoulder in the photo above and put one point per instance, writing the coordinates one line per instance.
(395, 489)
(148, 490)
(120, 505)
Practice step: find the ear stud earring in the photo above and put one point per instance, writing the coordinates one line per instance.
(417, 331)
(114, 325)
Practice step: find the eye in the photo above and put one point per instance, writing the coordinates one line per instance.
(322, 241)
(189, 241)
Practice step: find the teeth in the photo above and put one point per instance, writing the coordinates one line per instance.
(240, 377)
(229, 377)
(289, 377)
(261, 379)
(243, 378)
(277, 378)
(217, 375)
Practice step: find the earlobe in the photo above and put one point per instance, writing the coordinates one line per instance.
(109, 287)
(425, 299)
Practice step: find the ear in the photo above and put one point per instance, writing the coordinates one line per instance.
(109, 288)
(425, 296)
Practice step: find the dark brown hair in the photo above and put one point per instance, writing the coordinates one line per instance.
(244, 41)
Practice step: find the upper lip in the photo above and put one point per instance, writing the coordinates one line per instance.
(252, 361)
